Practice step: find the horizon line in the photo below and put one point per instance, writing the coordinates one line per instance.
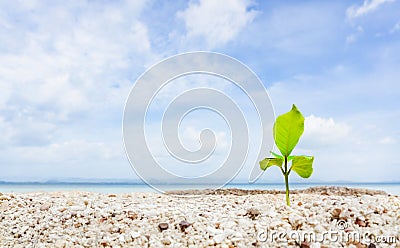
(138, 182)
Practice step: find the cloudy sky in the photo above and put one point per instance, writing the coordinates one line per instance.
(66, 69)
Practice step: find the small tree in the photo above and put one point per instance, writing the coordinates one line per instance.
(287, 131)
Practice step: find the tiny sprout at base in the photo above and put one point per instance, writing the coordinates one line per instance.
(287, 131)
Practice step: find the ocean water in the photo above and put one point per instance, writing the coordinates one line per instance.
(391, 188)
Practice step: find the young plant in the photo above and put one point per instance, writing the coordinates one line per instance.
(287, 131)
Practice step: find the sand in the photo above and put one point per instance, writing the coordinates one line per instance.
(318, 217)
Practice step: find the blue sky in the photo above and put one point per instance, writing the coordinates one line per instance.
(66, 69)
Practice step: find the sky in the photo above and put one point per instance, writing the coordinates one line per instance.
(67, 67)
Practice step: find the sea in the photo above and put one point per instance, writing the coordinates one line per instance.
(22, 187)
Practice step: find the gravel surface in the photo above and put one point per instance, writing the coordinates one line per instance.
(318, 217)
(323, 190)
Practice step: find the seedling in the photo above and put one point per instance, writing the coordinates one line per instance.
(287, 131)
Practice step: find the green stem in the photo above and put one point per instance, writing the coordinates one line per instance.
(287, 189)
(287, 183)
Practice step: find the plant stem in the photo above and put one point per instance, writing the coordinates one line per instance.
(287, 183)
(287, 189)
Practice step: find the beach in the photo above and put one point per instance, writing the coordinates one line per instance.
(317, 217)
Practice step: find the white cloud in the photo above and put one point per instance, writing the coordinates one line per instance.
(368, 6)
(324, 131)
(72, 60)
(215, 21)
(395, 28)
(6, 130)
(65, 72)
(354, 36)
(72, 150)
(351, 38)
(387, 141)
(75, 158)
(191, 140)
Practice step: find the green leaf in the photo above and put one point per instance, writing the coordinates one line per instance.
(276, 155)
(287, 130)
(268, 162)
(302, 165)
